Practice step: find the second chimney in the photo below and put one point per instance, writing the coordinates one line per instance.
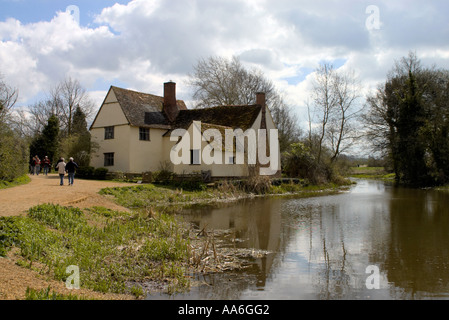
(170, 107)
(261, 101)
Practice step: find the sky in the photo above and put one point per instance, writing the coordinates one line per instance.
(141, 44)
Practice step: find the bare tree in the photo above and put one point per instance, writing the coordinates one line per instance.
(342, 131)
(8, 98)
(379, 121)
(324, 101)
(62, 101)
(219, 81)
(335, 96)
(66, 97)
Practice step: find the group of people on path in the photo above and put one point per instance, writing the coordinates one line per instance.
(61, 166)
(36, 165)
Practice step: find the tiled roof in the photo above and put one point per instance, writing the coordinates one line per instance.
(143, 109)
(241, 117)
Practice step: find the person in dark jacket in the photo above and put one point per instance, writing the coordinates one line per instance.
(70, 168)
(47, 165)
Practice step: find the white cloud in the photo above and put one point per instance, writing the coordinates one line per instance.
(147, 42)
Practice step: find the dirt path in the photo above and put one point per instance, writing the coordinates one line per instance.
(46, 189)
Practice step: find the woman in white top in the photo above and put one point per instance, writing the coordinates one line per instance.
(61, 170)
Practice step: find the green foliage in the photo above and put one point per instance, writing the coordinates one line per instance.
(47, 143)
(92, 173)
(60, 218)
(13, 154)
(149, 195)
(79, 124)
(44, 294)
(409, 120)
(299, 162)
(189, 185)
(8, 235)
(16, 182)
(109, 249)
(410, 145)
(85, 172)
(81, 146)
(163, 176)
(100, 173)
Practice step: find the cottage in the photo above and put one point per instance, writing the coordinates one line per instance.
(136, 131)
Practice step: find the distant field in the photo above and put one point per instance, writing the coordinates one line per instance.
(368, 170)
(371, 173)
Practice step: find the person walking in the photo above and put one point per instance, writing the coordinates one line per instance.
(46, 164)
(71, 169)
(61, 170)
(60, 160)
(37, 165)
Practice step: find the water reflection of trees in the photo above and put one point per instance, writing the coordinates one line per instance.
(418, 253)
(333, 279)
(333, 239)
(404, 232)
(321, 237)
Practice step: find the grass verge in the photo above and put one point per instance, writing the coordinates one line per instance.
(377, 173)
(443, 188)
(44, 294)
(16, 182)
(113, 250)
(159, 197)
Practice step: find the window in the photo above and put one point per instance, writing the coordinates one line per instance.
(109, 159)
(144, 134)
(108, 133)
(195, 157)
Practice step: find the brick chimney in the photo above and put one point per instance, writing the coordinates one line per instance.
(260, 98)
(261, 101)
(170, 107)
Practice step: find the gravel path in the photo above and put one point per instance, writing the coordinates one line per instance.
(46, 189)
(15, 201)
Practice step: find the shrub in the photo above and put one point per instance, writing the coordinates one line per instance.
(299, 162)
(190, 185)
(13, 154)
(92, 173)
(100, 173)
(257, 184)
(163, 176)
(8, 235)
(85, 172)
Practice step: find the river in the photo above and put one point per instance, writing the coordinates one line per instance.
(375, 241)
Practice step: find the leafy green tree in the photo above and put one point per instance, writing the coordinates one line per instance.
(411, 146)
(80, 144)
(13, 154)
(13, 150)
(408, 119)
(47, 143)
